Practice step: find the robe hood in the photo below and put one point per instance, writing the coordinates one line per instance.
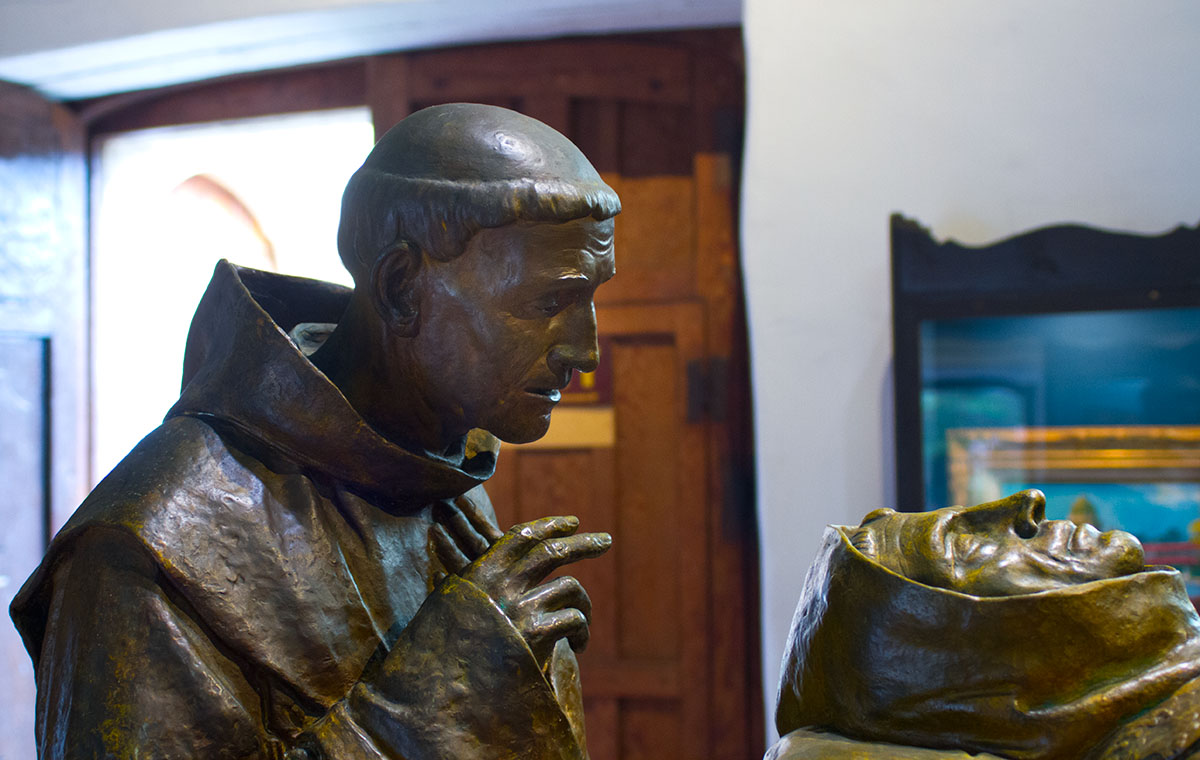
(873, 655)
(290, 406)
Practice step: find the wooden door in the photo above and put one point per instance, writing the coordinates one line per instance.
(42, 373)
(656, 452)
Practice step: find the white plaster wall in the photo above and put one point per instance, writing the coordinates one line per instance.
(979, 118)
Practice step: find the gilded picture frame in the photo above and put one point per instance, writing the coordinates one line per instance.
(1086, 454)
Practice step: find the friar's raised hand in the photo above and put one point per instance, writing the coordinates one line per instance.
(461, 533)
(511, 572)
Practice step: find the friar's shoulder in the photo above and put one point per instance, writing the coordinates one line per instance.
(211, 512)
(227, 531)
(123, 509)
(178, 465)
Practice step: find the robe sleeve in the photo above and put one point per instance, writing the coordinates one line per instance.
(127, 669)
(459, 683)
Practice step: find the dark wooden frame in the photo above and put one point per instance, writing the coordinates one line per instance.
(1067, 268)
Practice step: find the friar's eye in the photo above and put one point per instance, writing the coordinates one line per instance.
(548, 305)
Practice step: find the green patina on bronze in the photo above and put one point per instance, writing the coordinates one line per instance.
(988, 630)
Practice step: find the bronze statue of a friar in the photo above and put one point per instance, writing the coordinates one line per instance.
(988, 632)
(301, 562)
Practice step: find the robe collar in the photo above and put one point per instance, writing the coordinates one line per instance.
(242, 373)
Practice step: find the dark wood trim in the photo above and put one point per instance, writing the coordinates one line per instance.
(649, 71)
(599, 67)
(910, 491)
(387, 90)
(1065, 268)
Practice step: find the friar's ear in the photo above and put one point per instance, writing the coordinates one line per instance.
(393, 283)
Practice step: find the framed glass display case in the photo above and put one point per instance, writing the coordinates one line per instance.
(1066, 359)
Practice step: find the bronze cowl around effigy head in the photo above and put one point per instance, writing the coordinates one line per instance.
(988, 630)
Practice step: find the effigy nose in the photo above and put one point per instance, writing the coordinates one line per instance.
(1030, 512)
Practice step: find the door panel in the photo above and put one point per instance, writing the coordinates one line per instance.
(582, 68)
(42, 374)
(654, 240)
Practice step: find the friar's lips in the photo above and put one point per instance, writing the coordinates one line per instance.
(551, 394)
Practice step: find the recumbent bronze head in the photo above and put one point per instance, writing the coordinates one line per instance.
(984, 629)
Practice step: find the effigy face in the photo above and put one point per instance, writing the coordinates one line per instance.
(999, 548)
(988, 630)
(302, 562)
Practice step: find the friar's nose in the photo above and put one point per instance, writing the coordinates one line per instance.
(579, 345)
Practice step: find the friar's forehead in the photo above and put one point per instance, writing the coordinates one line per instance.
(587, 233)
(576, 249)
(889, 522)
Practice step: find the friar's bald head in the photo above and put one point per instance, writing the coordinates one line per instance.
(444, 173)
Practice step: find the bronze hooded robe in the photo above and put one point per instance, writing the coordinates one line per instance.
(234, 587)
(883, 667)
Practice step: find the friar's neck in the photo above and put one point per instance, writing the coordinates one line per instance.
(372, 368)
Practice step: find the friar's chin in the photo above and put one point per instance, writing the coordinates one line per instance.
(525, 433)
